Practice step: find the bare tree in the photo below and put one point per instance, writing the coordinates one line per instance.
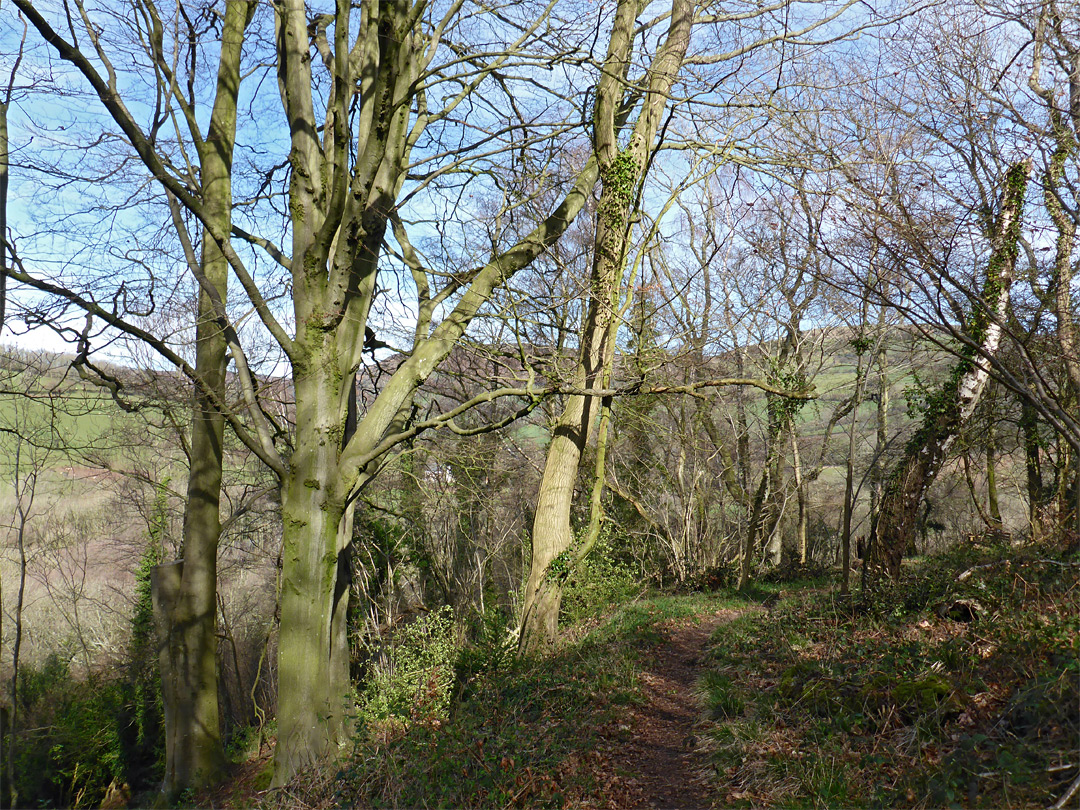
(621, 174)
(953, 405)
(387, 146)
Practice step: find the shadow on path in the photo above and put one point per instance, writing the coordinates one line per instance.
(656, 760)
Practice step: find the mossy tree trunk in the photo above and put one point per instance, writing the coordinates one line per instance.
(951, 406)
(341, 210)
(621, 174)
(194, 755)
(352, 130)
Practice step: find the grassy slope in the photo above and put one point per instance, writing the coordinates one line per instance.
(899, 701)
(889, 702)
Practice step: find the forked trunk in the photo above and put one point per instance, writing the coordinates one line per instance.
(621, 172)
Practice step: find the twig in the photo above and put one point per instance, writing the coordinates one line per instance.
(1064, 800)
(967, 574)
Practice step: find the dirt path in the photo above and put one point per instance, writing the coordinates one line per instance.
(656, 757)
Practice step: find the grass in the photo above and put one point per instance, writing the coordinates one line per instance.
(892, 702)
(816, 703)
(532, 733)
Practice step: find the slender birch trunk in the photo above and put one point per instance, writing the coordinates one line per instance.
(954, 403)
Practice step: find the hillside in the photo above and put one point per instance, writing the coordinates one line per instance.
(956, 688)
(798, 697)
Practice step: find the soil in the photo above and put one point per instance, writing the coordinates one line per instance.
(656, 759)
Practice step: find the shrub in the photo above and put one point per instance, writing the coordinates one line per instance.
(490, 647)
(598, 582)
(791, 571)
(714, 578)
(71, 741)
(413, 675)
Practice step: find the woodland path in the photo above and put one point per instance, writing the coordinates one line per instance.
(657, 755)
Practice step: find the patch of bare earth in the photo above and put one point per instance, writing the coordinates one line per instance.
(655, 758)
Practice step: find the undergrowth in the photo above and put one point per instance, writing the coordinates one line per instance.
(531, 733)
(76, 736)
(956, 687)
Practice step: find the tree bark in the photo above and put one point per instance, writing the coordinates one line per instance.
(849, 477)
(993, 501)
(754, 527)
(165, 582)
(313, 665)
(1065, 129)
(621, 172)
(24, 501)
(1036, 491)
(800, 489)
(881, 442)
(194, 755)
(340, 211)
(954, 403)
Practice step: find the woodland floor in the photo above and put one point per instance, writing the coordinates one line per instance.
(710, 700)
(651, 760)
(657, 764)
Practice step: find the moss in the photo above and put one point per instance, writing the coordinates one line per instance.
(923, 694)
(292, 522)
(264, 777)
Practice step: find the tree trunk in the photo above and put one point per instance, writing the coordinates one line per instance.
(340, 212)
(754, 527)
(849, 479)
(1036, 491)
(993, 502)
(552, 537)
(313, 664)
(5, 778)
(621, 173)
(24, 501)
(800, 489)
(1066, 146)
(3, 208)
(953, 404)
(973, 491)
(877, 469)
(194, 755)
(165, 582)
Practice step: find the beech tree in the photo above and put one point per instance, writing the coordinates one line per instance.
(387, 116)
